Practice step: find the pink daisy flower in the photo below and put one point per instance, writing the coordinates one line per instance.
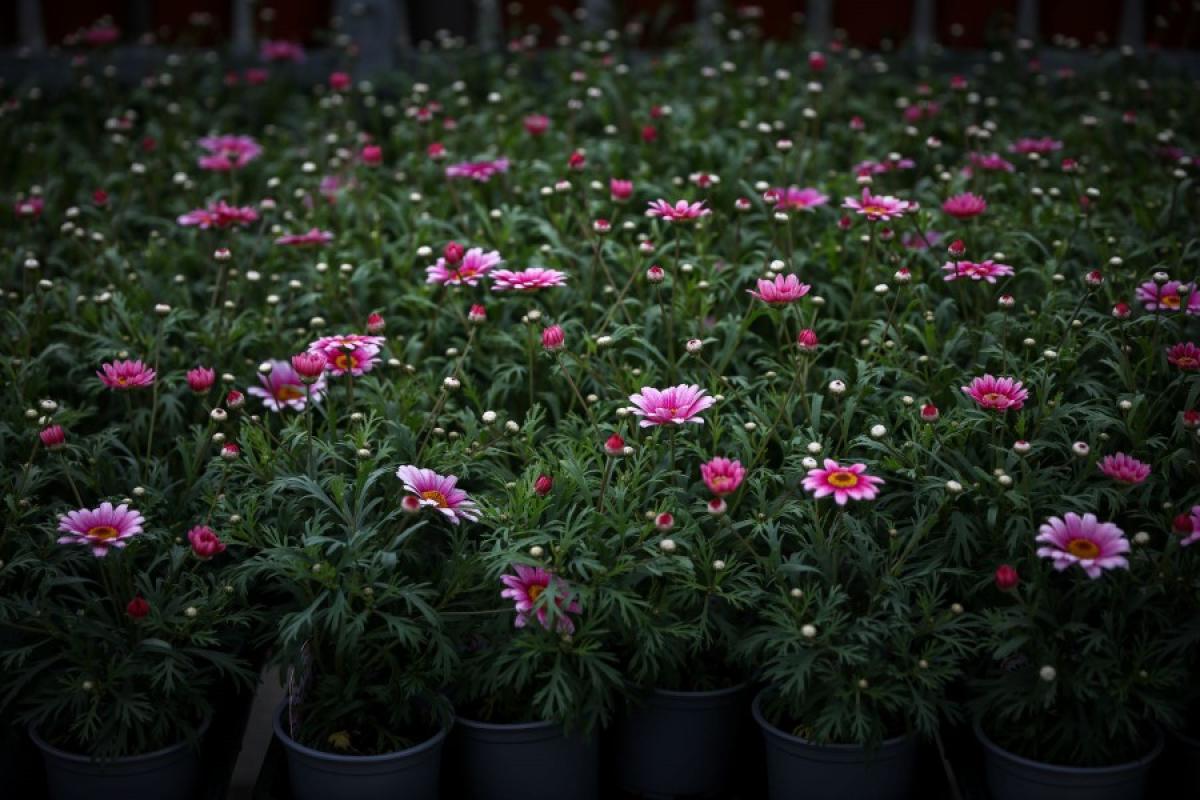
(722, 476)
(1124, 468)
(226, 153)
(877, 206)
(799, 199)
(678, 404)
(682, 211)
(100, 528)
(849, 482)
(1042, 146)
(471, 267)
(997, 394)
(314, 237)
(283, 387)
(528, 585)
(440, 492)
(983, 271)
(882, 167)
(1170, 296)
(1093, 545)
(529, 279)
(1184, 355)
(348, 352)
(620, 190)
(481, 171)
(218, 215)
(990, 162)
(1195, 534)
(965, 206)
(126, 375)
(784, 289)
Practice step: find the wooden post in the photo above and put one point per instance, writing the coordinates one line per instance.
(30, 31)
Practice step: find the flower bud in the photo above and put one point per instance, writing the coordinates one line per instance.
(1006, 578)
(543, 485)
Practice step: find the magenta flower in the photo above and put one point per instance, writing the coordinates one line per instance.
(849, 482)
(997, 394)
(349, 352)
(1124, 468)
(913, 241)
(439, 492)
(312, 238)
(100, 528)
(201, 379)
(218, 215)
(536, 124)
(528, 585)
(272, 50)
(529, 279)
(283, 387)
(481, 171)
(781, 291)
(205, 542)
(1042, 146)
(1093, 545)
(1170, 296)
(620, 190)
(682, 211)
(1184, 355)
(722, 476)
(983, 271)
(126, 375)
(1194, 536)
(805, 199)
(990, 162)
(677, 404)
(878, 207)
(226, 153)
(473, 265)
(965, 206)
(882, 167)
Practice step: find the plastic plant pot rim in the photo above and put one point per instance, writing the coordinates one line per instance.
(1155, 751)
(500, 727)
(416, 749)
(78, 758)
(765, 724)
(714, 693)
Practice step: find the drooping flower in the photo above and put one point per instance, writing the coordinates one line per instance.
(314, 237)
(796, 199)
(100, 528)
(529, 279)
(126, 375)
(965, 206)
(349, 352)
(682, 211)
(283, 387)
(1093, 545)
(722, 476)
(982, 271)
(527, 585)
(1170, 296)
(205, 542)
(226, 153)
(878, 207)
(1124, 468)
(997, 394)
(677, 404)
(439, 492)
(849, 482)
(472, 266)
(1185, 355)
(481, 171)
(781, 291)
(218, 215)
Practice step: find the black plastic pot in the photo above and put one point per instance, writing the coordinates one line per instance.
(1011, 777)
(412, 774)
(680, 743)
(525, 761)
(168, 774)
(799, 768)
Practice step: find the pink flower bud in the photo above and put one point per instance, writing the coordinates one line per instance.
(1121, 311)
(1094, 278)
(614, 445)
(339, 81)
(957, 248)
(664, 521)
(477, 314)
(205, 542)
(553, 338)
(53, 437)
(717, 506)
(807, 340)
(230, 452)
(309, 366)
(543, 485)
(410, 504)
(930, 413)
(235, 399)
(1006, 578)
(576, 160)
(376, 324)
(200, 379)
(453, 252)
(137, 608)
(372, 155)
(655, 274)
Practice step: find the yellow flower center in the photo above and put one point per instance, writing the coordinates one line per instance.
(843, 479)
(1083, 548)
(1170, 300)
(995, 397)
(436, 497)
(102, 532)
(343, 361)
(720, 481)
(288, 392)
(1187, 362)
(535, 592)
(875, 209)
(122, 380)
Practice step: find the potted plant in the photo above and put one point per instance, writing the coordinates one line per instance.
(1086, 664)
